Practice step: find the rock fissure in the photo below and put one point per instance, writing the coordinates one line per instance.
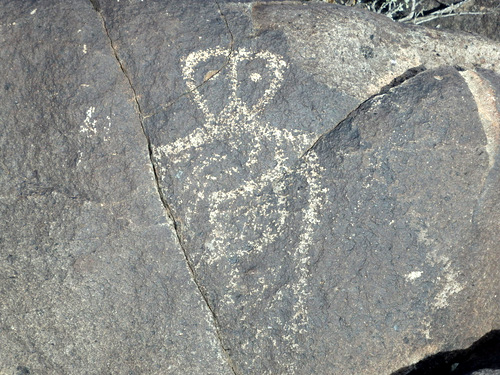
(163, 200)
(399, 80)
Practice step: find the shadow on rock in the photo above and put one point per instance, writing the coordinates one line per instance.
(483, 354)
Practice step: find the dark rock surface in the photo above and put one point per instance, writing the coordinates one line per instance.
(93, 280)
(483, 354)
(248, 188)
(486, 24)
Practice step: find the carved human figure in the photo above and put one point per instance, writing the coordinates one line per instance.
(245, 195)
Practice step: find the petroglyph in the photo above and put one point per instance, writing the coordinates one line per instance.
(90, 125)
(246, 197)
(448, 284)
(413, 275)
(451, 286)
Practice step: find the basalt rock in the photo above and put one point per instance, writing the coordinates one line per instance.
(480, 17)
(93, 279)
(247, 188)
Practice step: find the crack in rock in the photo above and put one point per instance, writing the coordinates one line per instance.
(166, 206)
(399, 80)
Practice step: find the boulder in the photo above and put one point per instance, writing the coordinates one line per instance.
(480, 17)
(243, 188)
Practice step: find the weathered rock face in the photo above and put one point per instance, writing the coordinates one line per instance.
(211, 188)
(474, 16)
(403, 258)
(92, 277)
(482, 19)
(481, 357)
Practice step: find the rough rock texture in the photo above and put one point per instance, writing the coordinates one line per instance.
(93, 279)
(248, 188)
(474, 16)
(482, 354)
(483, 24)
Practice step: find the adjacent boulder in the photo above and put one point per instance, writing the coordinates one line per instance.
(248, 188)
(478, 17)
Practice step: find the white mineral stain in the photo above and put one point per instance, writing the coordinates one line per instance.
(89, 125)
(446, 284)
(79, 158)
(485, 98)
(426, 331)
(413, 275)
(255, 77)
(451, 286)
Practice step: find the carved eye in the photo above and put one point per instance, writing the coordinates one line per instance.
(258, 77)
(239, 88)
(201, 65)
